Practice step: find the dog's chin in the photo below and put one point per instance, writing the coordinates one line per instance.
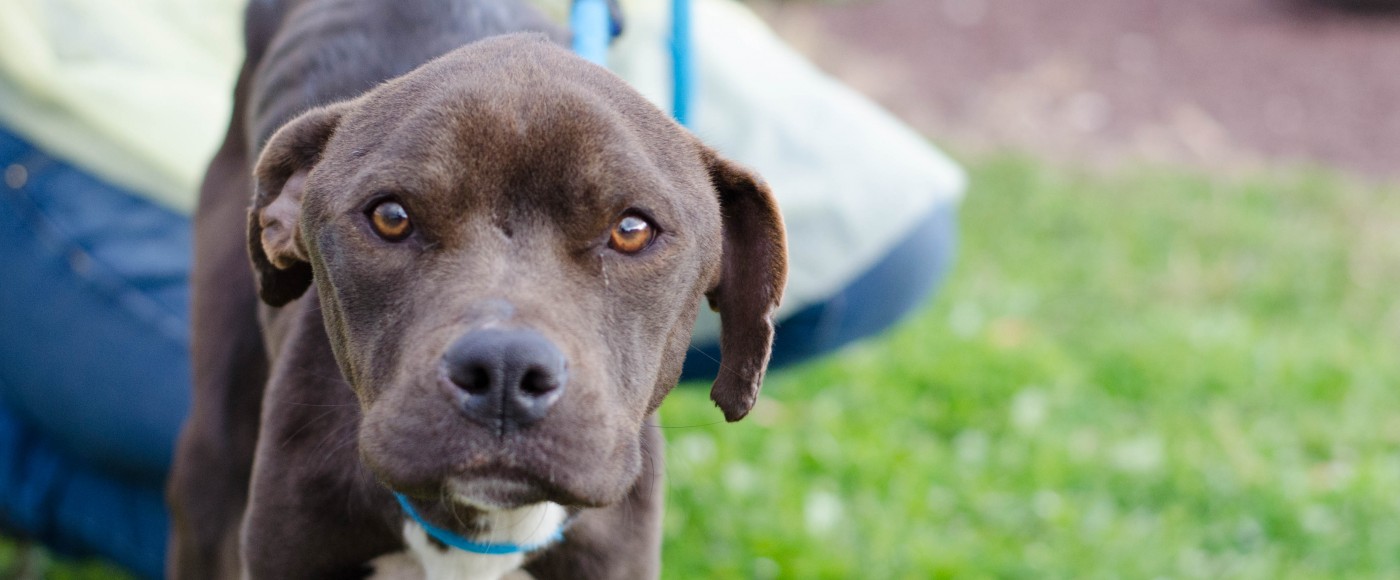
(495, 493)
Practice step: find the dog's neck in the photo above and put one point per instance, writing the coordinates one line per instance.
(531, 527)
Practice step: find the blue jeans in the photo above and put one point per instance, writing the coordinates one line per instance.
(94, 339)
(94, 364)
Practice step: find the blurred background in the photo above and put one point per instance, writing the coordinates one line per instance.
(1169, 346)
(1221, 83)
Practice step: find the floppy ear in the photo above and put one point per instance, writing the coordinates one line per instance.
(752, 276)
(274, 233)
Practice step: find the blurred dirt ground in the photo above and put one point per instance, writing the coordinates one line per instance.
(1224, 83)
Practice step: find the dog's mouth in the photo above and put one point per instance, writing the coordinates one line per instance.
(417, 446)
(496, 492)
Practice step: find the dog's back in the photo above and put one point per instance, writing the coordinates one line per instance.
(305, 53)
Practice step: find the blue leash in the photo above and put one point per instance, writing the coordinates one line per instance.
(682, 62)
(595, 24)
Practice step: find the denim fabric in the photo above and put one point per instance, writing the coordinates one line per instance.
(94, 308)
(48, 496)
(94, 369)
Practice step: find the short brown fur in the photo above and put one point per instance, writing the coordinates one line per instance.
(514, 159)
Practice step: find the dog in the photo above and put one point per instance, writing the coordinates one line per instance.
(508, 248)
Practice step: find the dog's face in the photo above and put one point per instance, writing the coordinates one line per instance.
(510, 247)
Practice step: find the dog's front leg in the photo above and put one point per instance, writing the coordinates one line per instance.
(313, 510)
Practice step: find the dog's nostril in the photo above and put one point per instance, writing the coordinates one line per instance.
(477, 381)
(538, 383)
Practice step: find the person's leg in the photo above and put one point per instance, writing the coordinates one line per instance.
(47, 496)
(899, 282)
(94, 370)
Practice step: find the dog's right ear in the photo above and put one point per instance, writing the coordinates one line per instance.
(274, 222)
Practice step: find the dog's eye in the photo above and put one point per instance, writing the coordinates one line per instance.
(632, 234)
(390, 221)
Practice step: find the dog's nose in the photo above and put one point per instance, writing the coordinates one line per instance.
(506, 378)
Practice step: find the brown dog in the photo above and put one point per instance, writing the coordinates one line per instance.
(508, 247)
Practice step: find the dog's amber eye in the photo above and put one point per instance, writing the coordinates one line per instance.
(390, 221)
(632, 234)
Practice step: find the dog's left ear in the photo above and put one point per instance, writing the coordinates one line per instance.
(274, 233)
(752, 277)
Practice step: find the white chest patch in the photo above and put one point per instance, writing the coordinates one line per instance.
(527, 526)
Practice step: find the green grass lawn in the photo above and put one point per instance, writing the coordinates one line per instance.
(1150, 373)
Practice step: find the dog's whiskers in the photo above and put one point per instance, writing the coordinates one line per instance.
(695, 426)
(719, 362)
(341, 436)
(304, 426)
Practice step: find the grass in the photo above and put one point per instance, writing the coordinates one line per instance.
(1146, 374)
(1149, 373)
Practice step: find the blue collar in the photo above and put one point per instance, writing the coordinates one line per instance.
(456, 541)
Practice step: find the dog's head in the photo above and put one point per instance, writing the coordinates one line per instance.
(510, 246)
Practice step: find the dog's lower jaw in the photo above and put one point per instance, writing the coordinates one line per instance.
(425, 559)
